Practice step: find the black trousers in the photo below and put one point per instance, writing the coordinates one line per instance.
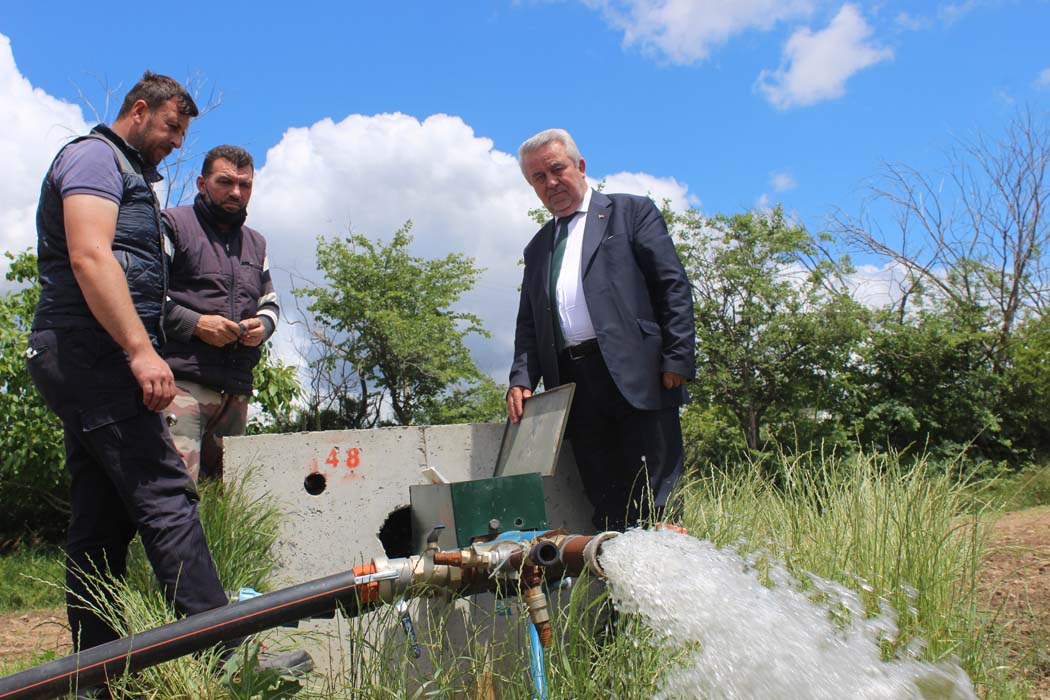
(126, 477)
(628, 459)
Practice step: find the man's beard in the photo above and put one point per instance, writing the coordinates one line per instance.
(221, 215)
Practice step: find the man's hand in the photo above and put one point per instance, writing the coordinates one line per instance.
(515, 398)
(252, 331)
(672, 380)
(155, 378)
(217, 330)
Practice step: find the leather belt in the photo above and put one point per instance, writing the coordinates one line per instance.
(578, 352)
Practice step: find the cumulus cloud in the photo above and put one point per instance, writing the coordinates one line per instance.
(877, 286)
(368, 174)
(660, 189)
(33, 125)
(371, 173)
(782, 182)
(816, 65)
(1042, 81)
(686, 31)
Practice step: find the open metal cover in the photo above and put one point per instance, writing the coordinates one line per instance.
(532, 445)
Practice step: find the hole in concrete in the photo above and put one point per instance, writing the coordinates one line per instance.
(315, 484)
(396, 533)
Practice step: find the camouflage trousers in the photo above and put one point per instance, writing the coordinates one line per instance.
(199, 418)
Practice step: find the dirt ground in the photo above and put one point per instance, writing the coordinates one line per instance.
(1015, 579)
(24, 635)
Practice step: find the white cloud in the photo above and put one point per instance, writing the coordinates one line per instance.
(368, 172)
(33, 125)
(816, 65)
(1042, 81)
(782, 182)
(657, 188)
(876, 286)
(375, 172)
(686, 31)
(909, 22)
(952, 12)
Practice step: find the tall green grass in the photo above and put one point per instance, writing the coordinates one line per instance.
(909, 537)
(894, 535)
(595, 653)
(31, 579)
(241, 530)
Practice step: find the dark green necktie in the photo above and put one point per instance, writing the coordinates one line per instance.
(556, 257)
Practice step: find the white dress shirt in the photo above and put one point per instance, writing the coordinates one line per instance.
(571, 305)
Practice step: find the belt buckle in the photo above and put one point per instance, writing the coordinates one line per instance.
(578, 351)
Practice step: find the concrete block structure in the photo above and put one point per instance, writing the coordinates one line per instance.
(345, 499)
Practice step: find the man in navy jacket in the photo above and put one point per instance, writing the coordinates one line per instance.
(605, 303)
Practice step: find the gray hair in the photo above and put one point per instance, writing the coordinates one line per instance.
(535, 143)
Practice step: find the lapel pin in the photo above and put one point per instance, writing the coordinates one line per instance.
(601, 216)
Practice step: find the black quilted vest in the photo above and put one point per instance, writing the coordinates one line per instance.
(137, 246)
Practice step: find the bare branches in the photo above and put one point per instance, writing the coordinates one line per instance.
(977, 233)
(181, 180)
(338, 395)
(177, 175)
(107, 96)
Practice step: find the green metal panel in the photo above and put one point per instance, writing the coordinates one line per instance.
(513, 502)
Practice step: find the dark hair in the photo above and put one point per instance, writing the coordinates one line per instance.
(155, 89)
(235, 154)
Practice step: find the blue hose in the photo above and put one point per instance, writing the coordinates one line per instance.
(539, 676)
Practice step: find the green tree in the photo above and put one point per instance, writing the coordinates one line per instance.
(775, 328)
(32, 471)
(923, 382)
(972, 237)
(954, 363)
(386, 330)
(1026, 400)
(276, 389)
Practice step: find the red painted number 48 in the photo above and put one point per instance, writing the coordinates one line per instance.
(353, 458)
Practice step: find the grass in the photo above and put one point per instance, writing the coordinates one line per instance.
(240, 529)
(31, 579)
(595, 654)
(912, 538)
(1027, 488)
(892, 535)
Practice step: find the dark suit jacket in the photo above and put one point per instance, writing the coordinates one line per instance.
(638, 296)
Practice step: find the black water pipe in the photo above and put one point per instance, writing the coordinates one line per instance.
(91, 667)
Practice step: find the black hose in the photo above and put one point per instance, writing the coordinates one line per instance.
(91, 667)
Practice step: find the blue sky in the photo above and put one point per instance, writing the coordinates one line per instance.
(368, 114)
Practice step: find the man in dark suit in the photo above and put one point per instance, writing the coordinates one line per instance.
(605, 303)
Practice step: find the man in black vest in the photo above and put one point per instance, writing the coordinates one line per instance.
(221, 308)
(92, 354)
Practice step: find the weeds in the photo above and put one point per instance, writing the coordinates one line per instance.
(911, 537)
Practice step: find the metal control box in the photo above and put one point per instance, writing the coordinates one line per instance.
(513, 499)
(478, 508)
(490, 506)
